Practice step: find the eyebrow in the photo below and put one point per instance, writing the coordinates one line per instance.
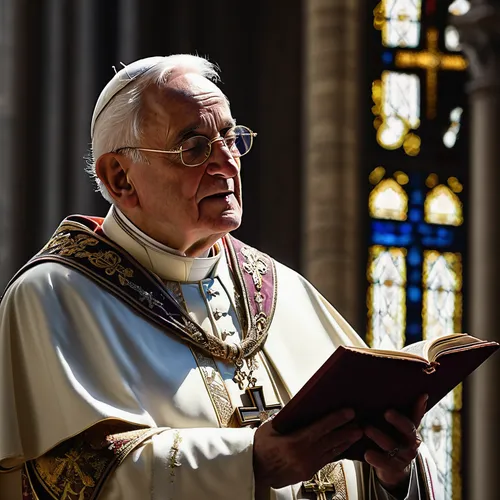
(186, 132)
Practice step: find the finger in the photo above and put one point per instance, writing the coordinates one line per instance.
(381, 439)
(333, 454)
(409, 434)
(383, 461)
(406, 452)
(420, 409)
(348, 434)
(339, 440)
(391, 449)
(326, 424)
(394, 457)
(402, 423)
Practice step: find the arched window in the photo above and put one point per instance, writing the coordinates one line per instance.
(416, 123)
(387, 297)
(442, 206)
(388, 200)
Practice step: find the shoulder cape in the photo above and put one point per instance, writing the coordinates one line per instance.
(80, 244)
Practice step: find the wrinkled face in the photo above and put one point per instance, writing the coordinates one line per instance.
(182, 205)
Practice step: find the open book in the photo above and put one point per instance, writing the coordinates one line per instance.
(372, 381)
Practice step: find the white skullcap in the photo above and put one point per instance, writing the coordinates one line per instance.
(121, 79)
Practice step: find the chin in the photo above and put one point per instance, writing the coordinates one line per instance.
(230, 223)
(227, 222)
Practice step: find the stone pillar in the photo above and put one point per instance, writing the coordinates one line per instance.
(480, 37)
(332, 243)
(7, 117)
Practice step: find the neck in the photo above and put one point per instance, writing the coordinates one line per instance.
(187, 245)
(201, 247)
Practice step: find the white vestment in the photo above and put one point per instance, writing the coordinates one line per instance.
(72, 355)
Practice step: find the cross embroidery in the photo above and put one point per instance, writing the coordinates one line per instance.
(255, 266)
(330, 479)
(259, 411)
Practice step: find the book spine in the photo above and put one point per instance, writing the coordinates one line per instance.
(431, 368)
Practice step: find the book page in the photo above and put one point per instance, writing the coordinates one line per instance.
(386, 353)
(417, 348)
(426, 350)
(431, 349)
(450, 342)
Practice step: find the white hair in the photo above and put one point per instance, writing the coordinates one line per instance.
(120, 122)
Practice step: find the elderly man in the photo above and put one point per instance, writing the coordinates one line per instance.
(143, 353)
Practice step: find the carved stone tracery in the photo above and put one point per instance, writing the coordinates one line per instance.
(479, 31)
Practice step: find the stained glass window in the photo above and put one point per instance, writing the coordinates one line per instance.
(399, 22)
(442, 313)
(450, 137)
(397, 107)
(442, 283)
(459, 7)
(416, 194)
(388, 200)
(442, 206)
(452, 39)
(441, 432)
(386, 296)
(432, 60)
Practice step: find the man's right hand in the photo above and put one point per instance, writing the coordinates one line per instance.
(284, 459)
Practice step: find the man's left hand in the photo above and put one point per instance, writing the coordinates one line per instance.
(392, 465)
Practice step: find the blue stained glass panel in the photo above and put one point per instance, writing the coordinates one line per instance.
(414, 257)
(424, 228)
(416, 276)
(415, 215)
(406, 227)
(387, 57)
(384, 239)
(414, 294)
(436, 241)
(383, 227)
(417, 197)
(387, 239)
(414, 330)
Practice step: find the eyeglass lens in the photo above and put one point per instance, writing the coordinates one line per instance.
(195, 150)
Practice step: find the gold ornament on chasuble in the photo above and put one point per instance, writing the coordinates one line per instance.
(259, 411)
(78, 468)
(216, 387)
(252, 415)
(79, 243)
(327, 484)
(253, 318)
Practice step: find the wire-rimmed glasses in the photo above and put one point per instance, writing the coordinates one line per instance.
(197, 149)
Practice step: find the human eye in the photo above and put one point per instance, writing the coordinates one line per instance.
(194, 150)
(197, 143)
(230, 137)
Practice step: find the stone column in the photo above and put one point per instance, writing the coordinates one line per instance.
(7, 117)
(332, 237)
(480, 37)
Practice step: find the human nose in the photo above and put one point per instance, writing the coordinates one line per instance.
(221, 161)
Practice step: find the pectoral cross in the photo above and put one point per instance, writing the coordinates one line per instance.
(318, 487)
(330, 479)
(259, 411)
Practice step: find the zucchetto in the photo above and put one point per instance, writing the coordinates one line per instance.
(121, 79)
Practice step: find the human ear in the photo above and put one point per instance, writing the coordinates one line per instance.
(111, 169)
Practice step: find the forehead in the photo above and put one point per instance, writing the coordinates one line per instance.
(187, 100)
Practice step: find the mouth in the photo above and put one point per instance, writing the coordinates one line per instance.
(222, 195)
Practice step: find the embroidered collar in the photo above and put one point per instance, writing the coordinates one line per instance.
(79, 243)
(165, 262)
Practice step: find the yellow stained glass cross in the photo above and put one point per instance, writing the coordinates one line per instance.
(432, 60)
